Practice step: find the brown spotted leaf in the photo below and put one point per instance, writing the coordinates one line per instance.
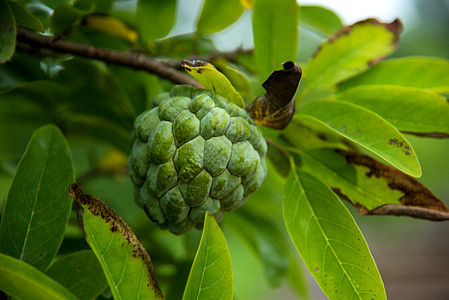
(275, 109)
(416, 201)
(367, 129)
(125, 262)
(371, 186)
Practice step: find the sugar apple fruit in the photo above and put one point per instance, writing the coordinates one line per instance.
(193, 152)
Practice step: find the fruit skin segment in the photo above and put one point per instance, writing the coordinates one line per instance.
(194, 152)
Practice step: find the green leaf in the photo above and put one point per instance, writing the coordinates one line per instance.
(24, 18)
(64, 16)
(428, 73)
(349, 52)
(150, 13)
(411, 110)
(329, 241)
(111, 26)
(125, 262)
(238, 78)
(349, 179)
(319, 19)
(79, 272)
(263, 235)
(216, 15)
(211, 273)
(22, 281)
(314, 134)
(37, 208)
(275, 34)
(367, 129)
(7, 32)
(213, 80)
(371, 186)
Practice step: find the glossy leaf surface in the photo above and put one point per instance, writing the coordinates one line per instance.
(428, 73)
(349, 179)
(329, 241)
(150, 13)
(367, 129)
(319, 19)
(211, 273)
(37, 207)
(64, 16)
(307, 133)
(217, 15)
(24, 18)
(275, 34)
(15, 275)
(79, 272)
(238, 78)
(409, 109)
(7, 32)
(350, 51)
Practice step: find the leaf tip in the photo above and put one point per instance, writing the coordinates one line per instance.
(75, 192)
(188, 65)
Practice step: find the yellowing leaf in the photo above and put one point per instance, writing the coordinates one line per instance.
(236, 76)
(111, 26)
(113, 160)
(248, 4)
(213, 80)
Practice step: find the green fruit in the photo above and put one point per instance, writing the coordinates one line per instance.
(194, 152)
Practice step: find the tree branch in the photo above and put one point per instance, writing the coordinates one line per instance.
(410, 211)
(230, 56)
(128, 59)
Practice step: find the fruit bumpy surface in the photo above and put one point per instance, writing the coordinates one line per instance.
(193, 152)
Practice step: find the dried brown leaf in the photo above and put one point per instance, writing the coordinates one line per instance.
(417, 200)
(275, 109)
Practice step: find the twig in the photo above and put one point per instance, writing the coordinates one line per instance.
(410, 211)
(230, 56)
(128, 59)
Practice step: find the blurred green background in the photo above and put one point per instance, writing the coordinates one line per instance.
(412, 255)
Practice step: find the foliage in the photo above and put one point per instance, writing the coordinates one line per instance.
(67, 112)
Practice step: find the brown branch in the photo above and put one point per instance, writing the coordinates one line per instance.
(230, 56)
(410, 211)
(128, 59)
(434, 135)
